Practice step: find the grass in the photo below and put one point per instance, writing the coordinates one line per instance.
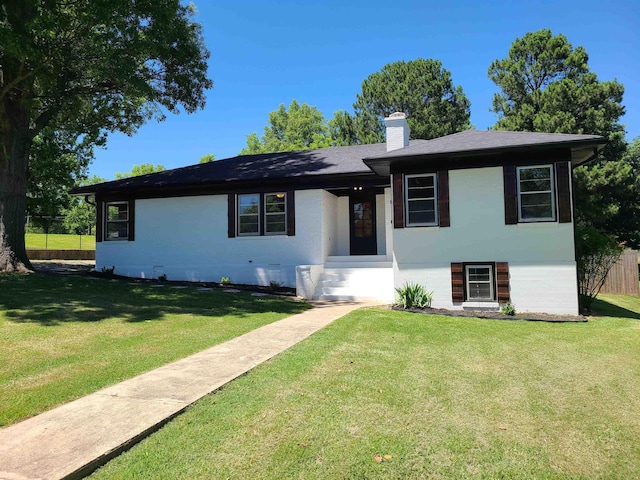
(64, 337)
(58, 241)
(441, 397)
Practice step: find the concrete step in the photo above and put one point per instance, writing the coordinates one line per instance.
(356, 258)
(354, 265)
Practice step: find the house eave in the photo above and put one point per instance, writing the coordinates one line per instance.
(581, 152)
(364, 179)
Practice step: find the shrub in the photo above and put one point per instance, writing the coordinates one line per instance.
(413, 295)
(274, 285)
(225, 280)
(162, 278)
(108, 271)
(508, 309)
(596, 253)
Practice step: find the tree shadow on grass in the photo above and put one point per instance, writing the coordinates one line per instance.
(54, 299)
(603, 308)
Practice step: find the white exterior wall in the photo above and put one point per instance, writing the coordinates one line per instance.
(381, 237)
(186, 239)
(542, 267)
(343, 246)
(330, 235)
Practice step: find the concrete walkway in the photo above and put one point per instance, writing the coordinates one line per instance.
(73, 440)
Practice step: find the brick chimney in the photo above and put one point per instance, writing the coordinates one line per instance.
(397, 131)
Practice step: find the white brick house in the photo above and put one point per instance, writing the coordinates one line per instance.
(479, 217)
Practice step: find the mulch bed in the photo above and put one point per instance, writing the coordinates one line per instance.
(529, 316)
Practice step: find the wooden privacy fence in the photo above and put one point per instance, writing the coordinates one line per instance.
(623, 277)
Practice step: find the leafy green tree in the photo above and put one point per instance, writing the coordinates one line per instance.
(342, 129)
(300, 127)
(209, 157)
(57, 160)
(422, 89)
(597, 253)
(87, 67)
(546, 86)
(142, 169)
(80, 216)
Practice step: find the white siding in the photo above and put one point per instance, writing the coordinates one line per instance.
(541, 256)
(186, 239)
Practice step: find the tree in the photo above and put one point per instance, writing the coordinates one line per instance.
(142, 169)
(87, 67)
(80, 216)
(300, 127)
(209, 157)
(57, 160)
(546, 86)
(596, 253)
(422, 89)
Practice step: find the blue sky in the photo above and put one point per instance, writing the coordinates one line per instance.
(267, 53)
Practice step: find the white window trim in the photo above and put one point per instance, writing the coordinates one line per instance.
(239, 215)
(552, 191)
(266, 214)
(105, 228)
(491, 283)
(435, 200)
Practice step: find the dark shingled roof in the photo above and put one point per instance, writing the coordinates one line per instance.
(367, 160)
(245, 168)
(485, 142)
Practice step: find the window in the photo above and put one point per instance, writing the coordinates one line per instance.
(249, 214)
(116, 221)
(275, 214)
(536, 199)
(420, 200)
(262, 214)
(479, 282)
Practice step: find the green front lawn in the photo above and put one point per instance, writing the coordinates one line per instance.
(64, 337)
(440, 397)
(58, 241)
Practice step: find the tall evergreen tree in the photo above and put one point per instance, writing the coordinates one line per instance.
(546, 86)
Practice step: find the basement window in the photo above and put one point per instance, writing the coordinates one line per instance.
(479, 283)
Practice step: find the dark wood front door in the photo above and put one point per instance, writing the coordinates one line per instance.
(362, 221)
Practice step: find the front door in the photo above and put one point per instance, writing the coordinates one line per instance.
(362, 221)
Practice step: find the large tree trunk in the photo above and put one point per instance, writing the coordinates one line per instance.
(15, 143)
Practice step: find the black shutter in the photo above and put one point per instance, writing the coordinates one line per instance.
(502, 282)
(444, 219)
(457, 283)
(132, 220)
(563, 179)
(398, 200)
(510, 195)
(291, 213)
(99, 219)
(231, 214)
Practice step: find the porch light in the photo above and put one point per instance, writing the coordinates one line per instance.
(280, 195)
